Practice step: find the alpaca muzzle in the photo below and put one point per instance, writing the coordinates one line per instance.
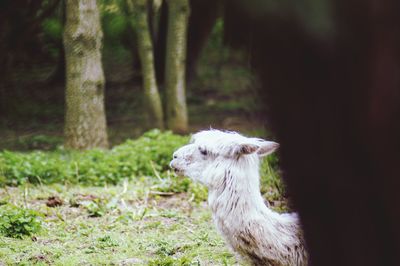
(173, 166)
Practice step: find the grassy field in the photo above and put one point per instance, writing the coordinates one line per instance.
(135, 223)
(128, 224)
(111, 207)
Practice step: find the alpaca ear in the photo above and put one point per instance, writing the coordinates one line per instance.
(267, 147)
(246, 148)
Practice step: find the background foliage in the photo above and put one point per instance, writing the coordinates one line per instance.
(148, 156)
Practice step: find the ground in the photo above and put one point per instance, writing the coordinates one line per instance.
(134, 223)
(128, 224)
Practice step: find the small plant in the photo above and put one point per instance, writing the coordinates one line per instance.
(198, 192)
(95, 208)
(106, 242)
(19, 222)
(164, 261)
(172, 183)
(171, 261)
(270, 175)
(164, 248)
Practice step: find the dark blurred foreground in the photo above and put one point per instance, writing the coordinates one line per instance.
(331, 80)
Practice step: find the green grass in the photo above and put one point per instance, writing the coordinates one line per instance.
(117, 207)
(138, 221)
(136, 224)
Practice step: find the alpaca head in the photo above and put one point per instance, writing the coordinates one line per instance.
(214, 151)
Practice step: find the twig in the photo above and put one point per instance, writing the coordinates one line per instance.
(161, 193)
(25, 196)
(156, 173)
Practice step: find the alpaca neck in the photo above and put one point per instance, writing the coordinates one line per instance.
(237, 192)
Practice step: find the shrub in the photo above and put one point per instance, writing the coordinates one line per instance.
(141, 157)
(152, 151)
(38, 142)
(18, 222)
(148, 155)
(17, 168)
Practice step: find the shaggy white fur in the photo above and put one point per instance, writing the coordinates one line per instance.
(228, 164)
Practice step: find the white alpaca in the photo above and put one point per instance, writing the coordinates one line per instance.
(228, 164)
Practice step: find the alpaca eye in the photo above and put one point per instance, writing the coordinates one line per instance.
(203, 151)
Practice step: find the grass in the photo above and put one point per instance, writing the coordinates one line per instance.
(137, 224)
(117, 207)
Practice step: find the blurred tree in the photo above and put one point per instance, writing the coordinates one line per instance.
(53, 28)
(178, 14)
(160, 43)
(119, 32)
(202, 19)
(85, 121)
(145, 47)
(20, 41)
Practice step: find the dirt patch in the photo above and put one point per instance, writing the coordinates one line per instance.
(54, 201)
(177, 200)
(40, 258)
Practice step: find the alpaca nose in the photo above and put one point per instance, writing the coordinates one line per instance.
(172, 164)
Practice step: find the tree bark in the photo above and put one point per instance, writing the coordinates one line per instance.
(85, 121)
(145, 48)
(178, 14)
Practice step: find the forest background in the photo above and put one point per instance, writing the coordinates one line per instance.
(94, 98)
(220, 90)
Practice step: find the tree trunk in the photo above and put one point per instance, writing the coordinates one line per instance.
(85, 121)
(145, 48)
(7, 90)
(178, 14)
(5, 71)
(160, 45)
(203, 16)
(58, 75)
